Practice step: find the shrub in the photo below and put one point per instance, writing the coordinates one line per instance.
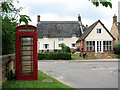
(54, 56)
(117, 49)
(67, 49)
(78, 49)
(63, 47)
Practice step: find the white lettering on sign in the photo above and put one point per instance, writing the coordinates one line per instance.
(26, 30)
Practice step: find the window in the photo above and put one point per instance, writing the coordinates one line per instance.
(73, 45)
(90, 45)
(42, 51)
(60, 39)
(98, 30)
(45, 36)
(74, 36)
(107, 45)
(55, 50)
(59, 45)
(45, 46)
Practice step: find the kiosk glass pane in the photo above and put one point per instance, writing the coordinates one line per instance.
(26, 55)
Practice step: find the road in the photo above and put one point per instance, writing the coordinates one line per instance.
(83, 74)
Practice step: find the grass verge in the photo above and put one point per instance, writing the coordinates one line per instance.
(35, 83)
(76, 57)
(118, 57)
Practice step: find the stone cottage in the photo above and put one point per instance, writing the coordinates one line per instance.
(115, 30)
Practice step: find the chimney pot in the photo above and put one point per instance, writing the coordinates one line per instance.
(114, 18)
(38, 18)
(79, 17)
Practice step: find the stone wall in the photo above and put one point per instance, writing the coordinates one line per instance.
(7, 67)
(105, 55)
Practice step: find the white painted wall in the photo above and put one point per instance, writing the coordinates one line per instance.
(104, 35)
(50, 41)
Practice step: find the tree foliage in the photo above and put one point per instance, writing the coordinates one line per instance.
(105, 3)
(8, 35)
(13, 13)
(10, 19)
(65, 48)
(85, 27)
(117, 49)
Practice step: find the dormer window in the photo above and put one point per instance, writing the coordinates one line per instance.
(74, 35)
(45, 36)
(98, 30)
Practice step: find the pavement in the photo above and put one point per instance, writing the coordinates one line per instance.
(100, 73)
(84, 60)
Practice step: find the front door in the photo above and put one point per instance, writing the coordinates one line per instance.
(99, 46)
(27, 62)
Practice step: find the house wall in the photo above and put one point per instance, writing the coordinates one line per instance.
(94, 36)
(54, 43)
(104, 35)
(79, 45)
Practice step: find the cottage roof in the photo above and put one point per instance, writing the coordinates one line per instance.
(90, 28)
(58, 28)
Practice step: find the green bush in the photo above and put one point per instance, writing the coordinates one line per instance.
(8, 36)
(54, 56)
(78, 49)
(67, 49)
(117, 49)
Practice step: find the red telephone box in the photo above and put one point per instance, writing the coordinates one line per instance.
(26, 53)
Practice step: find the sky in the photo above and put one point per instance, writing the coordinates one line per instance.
(68, 10)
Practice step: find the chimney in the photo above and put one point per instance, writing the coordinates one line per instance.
(79, 18)
(119, 27)
(38, 19)
(115, 19)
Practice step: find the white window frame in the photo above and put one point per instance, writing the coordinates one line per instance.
(44, 46)
(59, 45)
(98, 31)
(74, 35)
(74, 44)
(45, 37)
(60, 39)
(109, 46)
(88, 46)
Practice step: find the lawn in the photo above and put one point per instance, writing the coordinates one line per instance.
(35, 83)
(118, 57)
(77, 57)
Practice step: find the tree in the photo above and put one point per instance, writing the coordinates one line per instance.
(10, 19)
(85, 27)
(8, 36)
(105, 3)
(8, 9)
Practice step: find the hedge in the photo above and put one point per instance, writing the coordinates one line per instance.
(117, 49)
(54, 56)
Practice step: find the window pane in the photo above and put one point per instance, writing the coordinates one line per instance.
(99, 30)
(27, 52)
(103, 42)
